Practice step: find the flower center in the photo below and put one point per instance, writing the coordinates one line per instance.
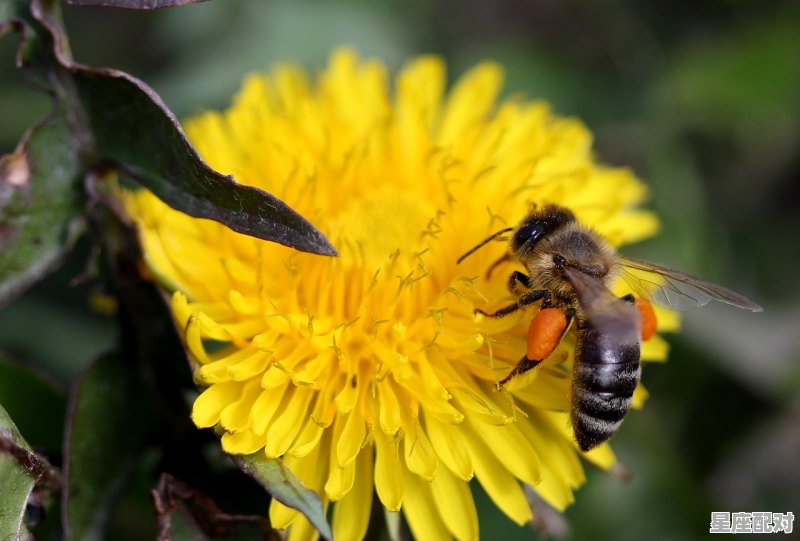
(380, 223)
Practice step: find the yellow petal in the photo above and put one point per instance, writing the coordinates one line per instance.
(561, 470)
(274, 377)
(668, 320)
(420, 86)
(456, 507)
(341, 476)
(549, 391)
(655, 349)
(287, 423)
(352, 437)
(601, 456)
(281, 516)
(251, 366)
(340, 480)
(389, 408)
(389, 476)
(236, 415)
(242, 443)
(347, 397)
(308, 439)
(194, 339)
(264, 408)
(640, 395)
(213, 372)
(302, 530)
(502, 487)
(447, 442)
(207, 406)
(421, 512)
(420, 456)
(512, 449)
(351, 514)
(244, 304)
(470, 100)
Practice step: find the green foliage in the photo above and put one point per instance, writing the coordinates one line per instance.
(47, 172)
(16, 483)
(35, 402)
(109, 422)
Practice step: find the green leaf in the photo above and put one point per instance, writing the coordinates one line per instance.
(38, 205)
(117, 121)
(35, 402)
(38, 195)
(108, 427)
(134, 4)
(16, 483)
(134, 132)
(121, 123)
(285, 487)
(20, 470)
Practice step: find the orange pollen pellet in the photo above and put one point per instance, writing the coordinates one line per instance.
(649, 322)
(545, 332)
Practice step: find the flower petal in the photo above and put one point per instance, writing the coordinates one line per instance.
(389, 407)
(447, 442)
(389, 476)
(351, 514)
(421, 512)
(264, 408)
(420, 456)
(285, 425)
(501, 486)
(456, 507)
(208, 406)
(471, 99)
(242, 443)
(236, 415)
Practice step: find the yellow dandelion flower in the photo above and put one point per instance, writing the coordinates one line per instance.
(369, 372)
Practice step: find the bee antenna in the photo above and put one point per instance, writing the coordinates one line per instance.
(483, 243)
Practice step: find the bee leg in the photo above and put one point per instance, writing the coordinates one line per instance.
(515, 280)
(524, 365)
(547, 330)
(524, 300)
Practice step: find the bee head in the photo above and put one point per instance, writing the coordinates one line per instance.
(537, 225)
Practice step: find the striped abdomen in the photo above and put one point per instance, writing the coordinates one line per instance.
(605, 375)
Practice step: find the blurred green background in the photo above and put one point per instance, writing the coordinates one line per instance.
(701, 99)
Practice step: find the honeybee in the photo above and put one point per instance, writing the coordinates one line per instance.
(569, 269)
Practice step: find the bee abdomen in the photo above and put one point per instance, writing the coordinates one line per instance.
(601, 396)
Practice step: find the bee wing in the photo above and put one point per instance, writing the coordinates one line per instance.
(677, 290)
(607, 313)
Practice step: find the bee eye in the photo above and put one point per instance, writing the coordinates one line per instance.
(537, 226)
(528, 234)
